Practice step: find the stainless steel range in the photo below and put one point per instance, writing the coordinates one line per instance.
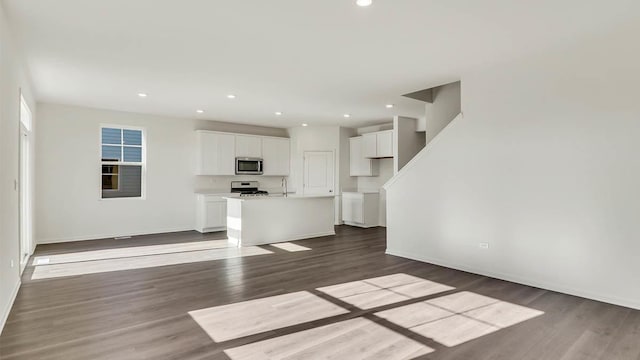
(247, 188)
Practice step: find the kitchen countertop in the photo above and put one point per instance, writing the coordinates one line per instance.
(278, 196)
(212, 192)
(227, 192)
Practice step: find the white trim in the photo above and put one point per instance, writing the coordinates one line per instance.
(113, 235)
(28, 115)
(355, 224)
(630, 303)
(12, 299)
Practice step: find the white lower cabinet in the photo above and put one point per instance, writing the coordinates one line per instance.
(211, 213)
(360, 209)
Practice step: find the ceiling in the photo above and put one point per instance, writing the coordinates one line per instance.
(312, 60)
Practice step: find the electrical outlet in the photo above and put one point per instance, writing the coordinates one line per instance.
(12, 263)
(483, 245)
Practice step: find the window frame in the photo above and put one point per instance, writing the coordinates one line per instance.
(25, 114)
(142, 163)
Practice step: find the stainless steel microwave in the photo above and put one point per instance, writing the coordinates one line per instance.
(248, 166)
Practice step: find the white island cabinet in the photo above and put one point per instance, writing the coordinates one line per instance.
(211, 213)
(266, 220)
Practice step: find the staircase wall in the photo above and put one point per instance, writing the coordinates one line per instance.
(544, 167)
(445, 107)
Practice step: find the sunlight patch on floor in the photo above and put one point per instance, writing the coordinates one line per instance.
(384, 290)
(291, 247)
(251, 317)
(449, 320)
(357, 338)
(142, 262)
(133, 251)
(457, 318)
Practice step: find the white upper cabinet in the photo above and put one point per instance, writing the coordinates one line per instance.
(276, 155)
(248, 146)
(378, 144)
(216, 153)
(384, 144)
(358, 164)
(369, 145)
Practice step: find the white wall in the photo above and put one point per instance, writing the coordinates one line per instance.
(374, 128)
(375, 183)
(407, 141)
(13, 78)
(312, 138)
(347, 182)
(445, 107)
(68, 187)
(543, 167)
(315, 138)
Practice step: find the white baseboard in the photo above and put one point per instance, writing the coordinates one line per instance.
(112, 235)
(310, 236)
(630, 303)
(360, 225)
(7, 310)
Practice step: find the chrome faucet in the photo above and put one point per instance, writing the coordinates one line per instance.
(283, 183)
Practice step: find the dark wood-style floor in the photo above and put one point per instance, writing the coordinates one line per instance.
(143, 313)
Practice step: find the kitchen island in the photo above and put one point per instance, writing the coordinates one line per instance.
(273, 219)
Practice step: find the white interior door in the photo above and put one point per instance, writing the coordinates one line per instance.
(318, 173)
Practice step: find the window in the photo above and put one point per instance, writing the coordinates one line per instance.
(122, 161)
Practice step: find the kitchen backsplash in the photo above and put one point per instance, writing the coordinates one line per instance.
(224, 182)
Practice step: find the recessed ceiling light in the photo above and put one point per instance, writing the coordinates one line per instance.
(278, 113)
(200, 111)
(231, 96)
(305, 124)
(347, 115)
(143, 95)
(364, 2)
(389, 106)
